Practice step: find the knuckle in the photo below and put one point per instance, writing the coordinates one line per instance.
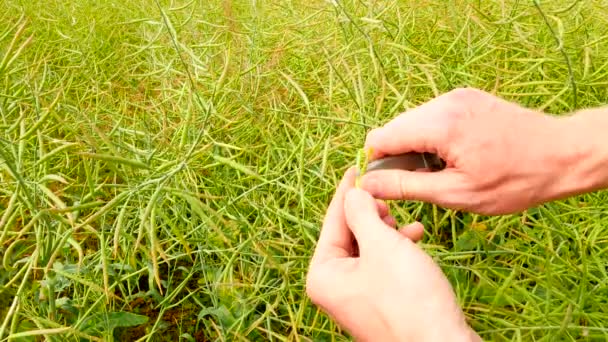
(461, 100)
(454, 116)
(402, 187)
(488, 203)
(459, 110)
(455, 200)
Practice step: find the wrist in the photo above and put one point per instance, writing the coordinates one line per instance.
(582, 162)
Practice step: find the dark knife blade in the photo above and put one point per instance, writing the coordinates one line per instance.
(409, 161)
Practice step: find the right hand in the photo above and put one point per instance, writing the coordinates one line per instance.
(501, 158)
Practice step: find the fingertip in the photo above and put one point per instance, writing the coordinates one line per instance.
(351, 172)
(383, 208)
(359, 204)
(374, 141)
(414, 231)
(357, 195)
(371, 136)
(347, 181)
(351, 169)
(390, 221)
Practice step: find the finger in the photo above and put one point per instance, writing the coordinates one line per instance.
(390, 221)
(363, 219)
(383, 209)
(422, 129)
(446, 187)
(335, 239)
(414, 231)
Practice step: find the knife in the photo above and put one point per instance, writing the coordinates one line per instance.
(409, 161)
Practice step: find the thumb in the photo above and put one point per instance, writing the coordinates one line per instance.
(445, 187)
(363, 218)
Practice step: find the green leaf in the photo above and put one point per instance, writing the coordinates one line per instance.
(187, 337)
(112, 320)
(222, 315)
(467, 241)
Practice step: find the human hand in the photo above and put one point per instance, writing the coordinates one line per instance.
(375, 281)
(501, 158)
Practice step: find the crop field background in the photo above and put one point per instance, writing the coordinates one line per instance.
(165, 165)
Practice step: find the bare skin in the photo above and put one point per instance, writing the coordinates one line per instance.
(383, 287)
(501, 158)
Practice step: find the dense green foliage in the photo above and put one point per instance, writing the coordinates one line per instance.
(165, 166)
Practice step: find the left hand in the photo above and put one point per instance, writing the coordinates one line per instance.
(375, 281)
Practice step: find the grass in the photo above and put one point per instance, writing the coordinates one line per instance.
(165, 166)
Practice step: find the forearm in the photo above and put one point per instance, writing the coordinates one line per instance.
(583, 158)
